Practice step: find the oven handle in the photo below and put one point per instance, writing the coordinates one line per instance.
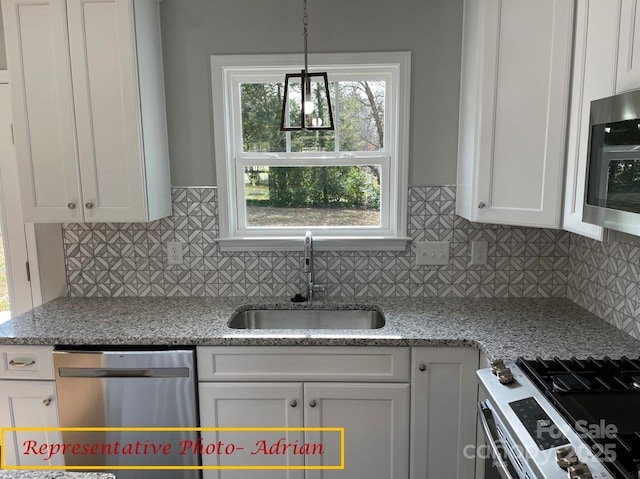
(485, 415)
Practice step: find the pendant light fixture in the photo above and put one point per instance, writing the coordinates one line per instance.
(307, 104)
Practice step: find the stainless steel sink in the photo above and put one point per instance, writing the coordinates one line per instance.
(307, 319)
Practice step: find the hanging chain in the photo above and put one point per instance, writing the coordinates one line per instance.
(305, 21)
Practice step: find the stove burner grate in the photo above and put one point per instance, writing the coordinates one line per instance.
(600, 398)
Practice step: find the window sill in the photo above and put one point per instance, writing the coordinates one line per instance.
(320, 243)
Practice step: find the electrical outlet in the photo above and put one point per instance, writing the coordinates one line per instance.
(479, 253)
(432, 252)
(174, 252)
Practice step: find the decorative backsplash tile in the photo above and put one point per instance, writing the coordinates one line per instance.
(128, 259)
(604, 280)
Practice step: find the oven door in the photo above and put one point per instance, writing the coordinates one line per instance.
(497, 464)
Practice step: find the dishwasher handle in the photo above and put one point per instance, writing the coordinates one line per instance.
(99, 373)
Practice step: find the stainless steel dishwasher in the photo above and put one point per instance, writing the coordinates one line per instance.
(133, 388)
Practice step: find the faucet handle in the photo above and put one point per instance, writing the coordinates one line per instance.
(298, 298)
(319, 288)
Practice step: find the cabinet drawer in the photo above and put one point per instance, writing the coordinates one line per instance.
(294, 363)
(26, 362)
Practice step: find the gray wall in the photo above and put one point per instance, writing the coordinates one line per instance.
(192, 30)
(3, 55)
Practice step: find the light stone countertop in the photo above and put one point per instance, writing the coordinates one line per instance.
(505, 328)
(53, 475)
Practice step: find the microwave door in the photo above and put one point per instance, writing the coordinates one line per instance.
(613, 187)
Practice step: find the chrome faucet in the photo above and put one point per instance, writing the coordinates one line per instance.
(308, 267)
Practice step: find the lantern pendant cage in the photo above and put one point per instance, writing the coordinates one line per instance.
(307, 101)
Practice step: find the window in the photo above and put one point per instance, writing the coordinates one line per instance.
(347, 186)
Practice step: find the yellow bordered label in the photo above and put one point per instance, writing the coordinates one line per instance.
(335, 430)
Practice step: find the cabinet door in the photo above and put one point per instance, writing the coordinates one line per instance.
(252, 405)
(629, 47)
(514, 99)
(375, 418)
(29, 404)
(443, 412)
(44, 127)
(594, 77)
(107, 107)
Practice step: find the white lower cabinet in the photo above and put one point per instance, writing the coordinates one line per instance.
(26, 404)
(406, 412)
(375, 418)
(251, 405)
(444, 393)
(28, 400)
(368, 396)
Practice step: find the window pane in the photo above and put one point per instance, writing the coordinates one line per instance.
(308, 141)
(311, 141)
(261, 106)
(333, 196)
(358, 109)
(361, 115)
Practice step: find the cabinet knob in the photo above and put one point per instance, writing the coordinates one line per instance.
(481, 205)
(293, 403)
(21, 364)
(88, 205)
(313, 403)
(422, 367)
(71, 205)
(46, 401)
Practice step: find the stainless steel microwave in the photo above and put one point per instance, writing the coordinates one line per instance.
(612, 193)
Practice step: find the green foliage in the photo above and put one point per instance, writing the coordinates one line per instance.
(261, 110)
(329, 187)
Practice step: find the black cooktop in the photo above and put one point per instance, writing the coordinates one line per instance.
(600, 398)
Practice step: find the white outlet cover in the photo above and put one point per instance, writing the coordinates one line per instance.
(174, 252)
(479, 253)
(432, 253)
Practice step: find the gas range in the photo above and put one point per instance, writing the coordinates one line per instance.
(563, 418)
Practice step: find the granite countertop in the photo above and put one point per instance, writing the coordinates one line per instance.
(54, 475)
(505, 328)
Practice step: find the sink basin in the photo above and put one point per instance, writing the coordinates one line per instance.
(307, 319)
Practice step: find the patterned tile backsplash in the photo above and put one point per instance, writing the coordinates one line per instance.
(604, 279)
(128, 259)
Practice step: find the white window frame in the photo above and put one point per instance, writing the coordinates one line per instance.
(228, 71)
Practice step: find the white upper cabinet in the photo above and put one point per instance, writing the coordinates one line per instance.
(629, 45)
(89, 114)
(594, 77)
(516, 64)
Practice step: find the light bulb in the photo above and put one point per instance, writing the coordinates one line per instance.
(308, 107)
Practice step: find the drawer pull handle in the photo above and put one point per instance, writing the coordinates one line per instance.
(313, 403)
(71, 205)
(46, 401)
(422, 367)
(293, 403)
(88, 205)
(21, 364)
